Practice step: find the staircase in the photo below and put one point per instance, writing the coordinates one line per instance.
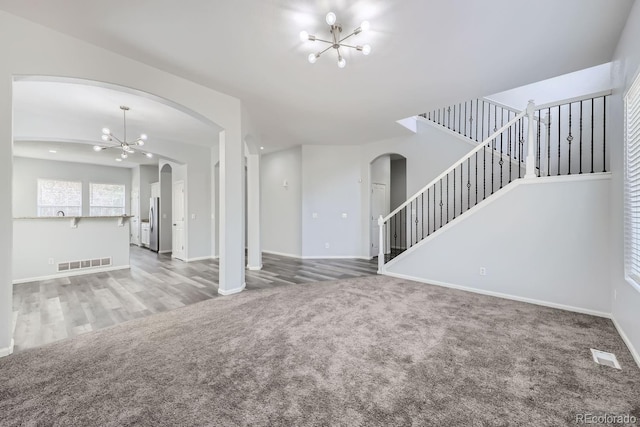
(560, 138)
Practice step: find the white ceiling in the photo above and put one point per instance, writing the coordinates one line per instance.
(425, 53)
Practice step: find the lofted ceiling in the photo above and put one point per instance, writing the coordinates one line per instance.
(425, 53)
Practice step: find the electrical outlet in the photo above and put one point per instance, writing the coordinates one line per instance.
(326, 245)
(483, 271)
(50, 261)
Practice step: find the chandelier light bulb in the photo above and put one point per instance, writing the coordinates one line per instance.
(124, 155)
(365, 26)
(313, 58)
(97, 148)
(143, 136)
(149, 155)
(140, 142)
(105, 137)
(342, 62)
(106, 131)
(331, 18)
(118, 160)
(366, 49)
(304, 36)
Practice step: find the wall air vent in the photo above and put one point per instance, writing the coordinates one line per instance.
(604, 358)
(84, 264)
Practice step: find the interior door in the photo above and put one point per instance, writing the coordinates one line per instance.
(135, 214)
(178, 231)
(378, 197)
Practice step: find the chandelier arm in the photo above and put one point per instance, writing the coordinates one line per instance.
(321, 40)
(344, 38)
(116, 138)
(348, 45)
(321, 52)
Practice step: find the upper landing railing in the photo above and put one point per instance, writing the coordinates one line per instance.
(566, 137)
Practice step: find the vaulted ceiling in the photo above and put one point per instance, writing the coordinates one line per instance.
(425, 53)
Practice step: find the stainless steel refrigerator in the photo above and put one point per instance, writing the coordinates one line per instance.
(154, 224)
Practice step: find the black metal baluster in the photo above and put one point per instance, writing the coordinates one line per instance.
(482, 127)
(441, 204)
(434, 207)
(484, 172)
(501, 162)
(476, 199)
(517, 146)
(461, 187)
(448, 117)
(539, 142)
(569, 139)
(509, 155)
(447, 199)
(549, 142)
(439, 116)
(395, 232)
(559, 136)
(465, 118)
(454, 193)
(592, 135)
(454, 118)
(428, 213)
(469, 183)
(476, 120)
(459, 118)
(422, 213)
(580, 161)
(604, 134)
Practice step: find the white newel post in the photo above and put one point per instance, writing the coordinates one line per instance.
(531, 154)
(381, 245)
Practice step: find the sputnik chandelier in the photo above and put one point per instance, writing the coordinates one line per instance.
(122, 144)
(337, 42)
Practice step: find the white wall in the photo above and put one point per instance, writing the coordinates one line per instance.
(583, 82)
(541, 240)
(30, 49)
(331, 189)
(282, 206)
(39, 241)
(398, 183)
(27, 171)
(626, 297)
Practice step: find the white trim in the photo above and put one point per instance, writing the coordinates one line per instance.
(495, 196)
(281, 254)
(72, 273)
(337, 257)
(6, 351)
(627, 341)
(165, 251)
(232, 291)
(201, 258)
(254, 267)
(502, 295)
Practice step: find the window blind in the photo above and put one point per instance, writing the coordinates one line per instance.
(632, 181)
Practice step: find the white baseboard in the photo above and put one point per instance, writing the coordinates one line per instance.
(165, 252)
(627, 341)
(254, 267)
(502, 295)
(282, 254)
(232, 291)
(336, 257)
(5, 351)
(72, 273)
(202, 258)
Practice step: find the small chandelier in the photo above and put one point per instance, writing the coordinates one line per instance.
(337, 42)
(122, 144)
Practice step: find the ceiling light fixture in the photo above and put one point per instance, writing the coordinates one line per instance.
(123, 144)
(336, 42)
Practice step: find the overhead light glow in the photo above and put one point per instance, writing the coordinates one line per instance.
(331, 18)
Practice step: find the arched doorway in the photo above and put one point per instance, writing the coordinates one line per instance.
(388, 190)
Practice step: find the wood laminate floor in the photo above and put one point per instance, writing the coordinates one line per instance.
(51, 310)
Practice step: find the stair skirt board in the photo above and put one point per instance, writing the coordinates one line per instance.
(503, 191)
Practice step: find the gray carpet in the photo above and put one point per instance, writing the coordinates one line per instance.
(360, 352)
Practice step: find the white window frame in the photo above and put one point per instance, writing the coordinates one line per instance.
(92, 206)
(632, 182)
(64, 208)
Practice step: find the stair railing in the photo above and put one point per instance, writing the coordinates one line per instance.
(494, 163)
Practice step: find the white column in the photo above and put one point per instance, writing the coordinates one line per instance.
(254, 255)
(6, 217)
(231, 213)
(531, 142)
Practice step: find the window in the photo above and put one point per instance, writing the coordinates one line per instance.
(632, 182)
(59, 198)
(106, 199)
